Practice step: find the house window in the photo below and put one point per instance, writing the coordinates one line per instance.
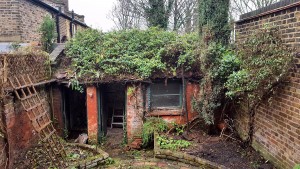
(165, 95)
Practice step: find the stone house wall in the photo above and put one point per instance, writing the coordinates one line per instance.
(277, 124)
(21, 20)
(10, 21)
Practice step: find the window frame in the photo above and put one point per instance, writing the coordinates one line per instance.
(150, 96)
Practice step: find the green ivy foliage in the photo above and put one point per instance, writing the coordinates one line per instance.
(265, 61)
(140, 53)
(217, 63)
(213, 20)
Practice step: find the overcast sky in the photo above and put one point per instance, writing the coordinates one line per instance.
(95, 11)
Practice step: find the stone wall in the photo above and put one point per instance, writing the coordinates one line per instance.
(31, 18)
(20, 20)
(277, 124)
(10, 22)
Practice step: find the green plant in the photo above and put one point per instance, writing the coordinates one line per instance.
(297, 166)
(66, 133)
(179, 129)
(15, 46)
(48, 33)
(109, 161)
(152, 125)
(167, 143)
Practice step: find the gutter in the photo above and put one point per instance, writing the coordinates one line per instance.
(55, 11)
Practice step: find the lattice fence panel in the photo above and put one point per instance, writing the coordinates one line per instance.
(38, 114)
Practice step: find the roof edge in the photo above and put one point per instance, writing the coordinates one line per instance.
(50, 8)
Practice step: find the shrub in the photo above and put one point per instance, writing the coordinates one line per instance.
(152, 125)
(48, 33)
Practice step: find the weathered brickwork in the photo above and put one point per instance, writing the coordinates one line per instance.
(277, 124)
(20, 134)
(135, 112)
(20, 20)
(10, 22)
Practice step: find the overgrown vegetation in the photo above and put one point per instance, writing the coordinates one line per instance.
(136, 53)
(151, 126)
(217, 63)
(172, 144)
(48, 33)
(250, 72)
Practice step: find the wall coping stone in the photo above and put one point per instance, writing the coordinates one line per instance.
(276, 7)
(91, 162)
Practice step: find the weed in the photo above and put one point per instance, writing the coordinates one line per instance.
(167, 143)
(152, 125)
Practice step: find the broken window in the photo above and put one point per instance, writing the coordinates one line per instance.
(165, 95)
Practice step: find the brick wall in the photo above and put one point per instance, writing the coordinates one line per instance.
(10, 21)
(20, 134)
(277, 124)
(134, 111)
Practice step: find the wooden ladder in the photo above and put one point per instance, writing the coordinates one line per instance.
(36, 111)
(116, 116)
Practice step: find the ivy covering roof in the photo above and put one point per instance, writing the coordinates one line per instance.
(133, 54)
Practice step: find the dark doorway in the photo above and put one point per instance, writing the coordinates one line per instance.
(75, 112)
(112, 107)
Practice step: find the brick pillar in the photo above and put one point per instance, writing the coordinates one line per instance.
(134, 112)
(92, 114)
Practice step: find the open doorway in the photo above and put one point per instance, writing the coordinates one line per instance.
(75, 112)
(113, 112)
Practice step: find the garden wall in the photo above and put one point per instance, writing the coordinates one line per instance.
(18, 131)
(277, 124)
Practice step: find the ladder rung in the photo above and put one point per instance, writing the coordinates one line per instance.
(24, 86)
(43, 126)
(117, 123)
(48, 136)
(39, 116)
(33, 107)
(27, 97)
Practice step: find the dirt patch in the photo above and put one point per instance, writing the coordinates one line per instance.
(225, 151)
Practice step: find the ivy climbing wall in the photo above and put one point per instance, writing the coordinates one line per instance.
(277, 123)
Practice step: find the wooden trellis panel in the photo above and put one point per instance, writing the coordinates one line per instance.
(38, 114)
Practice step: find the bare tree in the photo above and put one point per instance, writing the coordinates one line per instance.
(239, 7)
(184, 15)
(126, 15)
(181, 14)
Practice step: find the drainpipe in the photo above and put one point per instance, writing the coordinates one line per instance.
(71, 24)
(58, 26)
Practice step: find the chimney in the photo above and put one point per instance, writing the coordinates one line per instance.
(66, 2)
